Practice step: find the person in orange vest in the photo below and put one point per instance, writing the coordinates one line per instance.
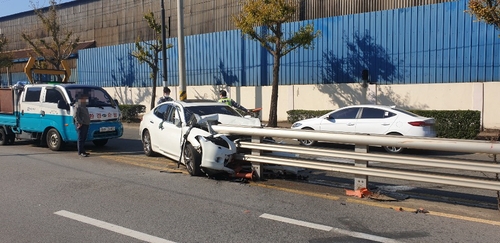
(229, 101)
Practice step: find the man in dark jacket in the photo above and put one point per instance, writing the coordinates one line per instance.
(81, 118)
(166, 96)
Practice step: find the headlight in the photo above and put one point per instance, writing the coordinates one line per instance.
(297, 124)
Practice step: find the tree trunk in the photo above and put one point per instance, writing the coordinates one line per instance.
(153, 93)
(154, 75)
(273, 112)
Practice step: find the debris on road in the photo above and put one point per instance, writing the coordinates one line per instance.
(362, 192)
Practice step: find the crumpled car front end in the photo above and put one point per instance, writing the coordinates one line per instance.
(218, 152)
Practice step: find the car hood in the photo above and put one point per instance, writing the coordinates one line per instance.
(232, 120)
(103, 114)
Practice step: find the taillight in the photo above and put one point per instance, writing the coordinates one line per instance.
(419, 123)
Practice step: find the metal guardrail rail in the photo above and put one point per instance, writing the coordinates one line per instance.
(361, 157)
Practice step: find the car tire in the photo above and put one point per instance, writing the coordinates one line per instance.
(54, 140)
(100, 142)
(3, 137)
(308, 142)
(392, 149)
(147, 145)
(193, 160)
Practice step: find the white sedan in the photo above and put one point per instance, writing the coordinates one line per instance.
(181, 131)
(370, 119)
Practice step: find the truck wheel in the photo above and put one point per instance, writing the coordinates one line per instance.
(193, 160)
(100, 142)
(3, 137)
(54, 140)
(146, 144)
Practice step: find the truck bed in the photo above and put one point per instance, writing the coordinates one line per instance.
(7, 119)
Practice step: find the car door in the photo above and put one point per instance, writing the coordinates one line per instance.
(375, 121)
(170, 132)
(31, 110)
(342, 120)
(52, 116)
(154, 125)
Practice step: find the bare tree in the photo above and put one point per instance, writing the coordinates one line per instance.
(5, 59)
(57, 44)
(148, 52)
(273, 14)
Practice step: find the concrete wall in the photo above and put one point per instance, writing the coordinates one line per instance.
(457, 96)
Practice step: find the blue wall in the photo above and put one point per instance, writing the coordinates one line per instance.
(436, 43)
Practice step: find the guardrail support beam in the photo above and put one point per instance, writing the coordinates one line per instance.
(360, 181)
(256, 167)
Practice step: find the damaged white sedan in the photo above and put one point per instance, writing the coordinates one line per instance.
(181, 131)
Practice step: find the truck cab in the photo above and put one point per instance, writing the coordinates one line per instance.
(44, 112)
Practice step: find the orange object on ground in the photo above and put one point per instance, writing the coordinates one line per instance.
(244, 175)
(362, 192)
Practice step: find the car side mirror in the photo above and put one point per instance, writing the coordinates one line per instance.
(61, 104)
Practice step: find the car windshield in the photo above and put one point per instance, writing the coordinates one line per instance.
(406, 112)
(209, 110)
(97, 96)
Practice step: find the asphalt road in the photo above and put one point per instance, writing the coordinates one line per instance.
(119, 195)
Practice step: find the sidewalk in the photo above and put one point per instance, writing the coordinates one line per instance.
(489, 135)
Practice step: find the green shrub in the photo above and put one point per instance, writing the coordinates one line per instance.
(297, 115)
(130, 113)
(461, 124)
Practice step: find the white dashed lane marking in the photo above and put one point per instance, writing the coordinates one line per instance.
(111, 227)
(327, 228)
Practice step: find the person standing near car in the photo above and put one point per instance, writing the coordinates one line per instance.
(229, 101)
(81, 118)
(166, 96)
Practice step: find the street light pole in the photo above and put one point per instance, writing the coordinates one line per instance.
(180, 40)
(163, 45)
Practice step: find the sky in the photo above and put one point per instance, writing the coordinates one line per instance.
(9, 7)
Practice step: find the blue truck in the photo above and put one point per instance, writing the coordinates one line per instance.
(44, 113)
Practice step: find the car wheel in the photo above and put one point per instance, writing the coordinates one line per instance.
(392, 149)
(54, 140)
(3, 137)
(100, 142)
(146, 144)
(193, 160)
(308, 142)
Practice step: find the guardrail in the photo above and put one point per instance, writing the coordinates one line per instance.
(362, 158)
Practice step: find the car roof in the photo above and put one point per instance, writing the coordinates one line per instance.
(393, 107)
(372, 106)
(198, 102)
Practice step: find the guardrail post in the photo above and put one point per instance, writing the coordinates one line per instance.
(360, 181)
(256, 167)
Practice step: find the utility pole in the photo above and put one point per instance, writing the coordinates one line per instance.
(180, 41)
(163, 44)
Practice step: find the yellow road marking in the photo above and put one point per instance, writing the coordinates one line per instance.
(163, 164)
(312, 194)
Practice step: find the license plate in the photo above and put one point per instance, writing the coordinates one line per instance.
(106, 129)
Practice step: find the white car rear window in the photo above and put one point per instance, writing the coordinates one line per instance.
(406, 112)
